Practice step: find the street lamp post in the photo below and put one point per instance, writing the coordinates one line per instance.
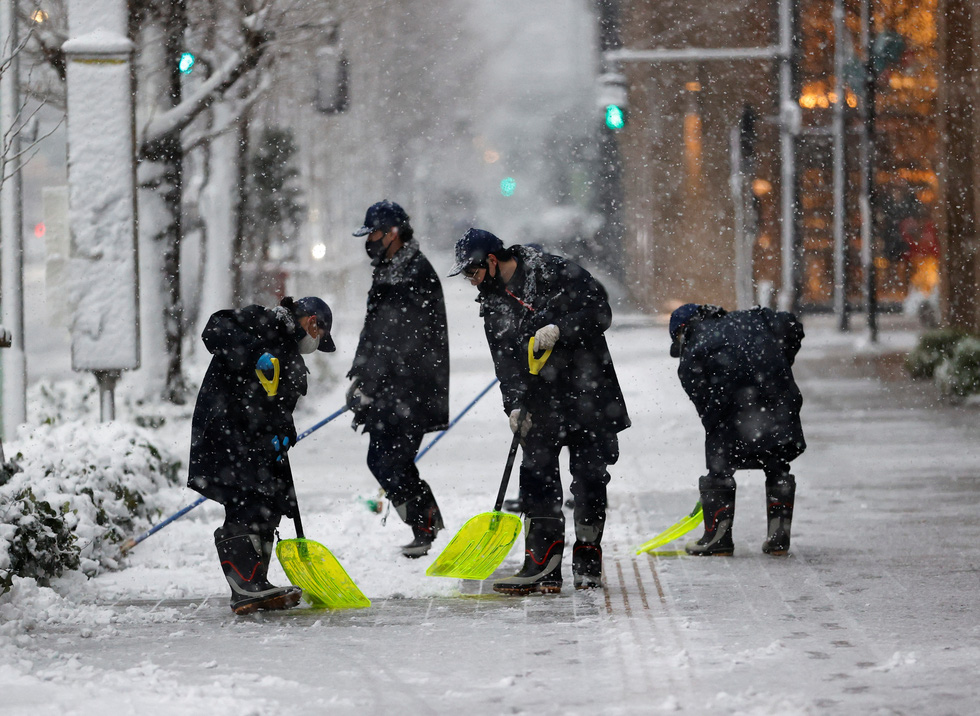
(14, 391)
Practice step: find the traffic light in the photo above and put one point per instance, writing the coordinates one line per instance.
(508, 185)
(887, 51)
(615, 117)
(186, 63)
(332, 80)
(613, 100)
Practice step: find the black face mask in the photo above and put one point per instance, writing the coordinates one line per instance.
(375, 250)
(491, 284)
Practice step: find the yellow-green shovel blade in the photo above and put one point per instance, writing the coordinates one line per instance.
(673, 532)
(310, 566)
(478, 548)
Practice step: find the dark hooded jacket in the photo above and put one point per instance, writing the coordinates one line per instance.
(232, 454)
(737, 369)
(402, 357)
(577, 389)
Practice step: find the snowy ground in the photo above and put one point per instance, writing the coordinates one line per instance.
(874, 612)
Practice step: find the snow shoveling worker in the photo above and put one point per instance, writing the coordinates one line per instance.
(399, 388)
(737, 369)
(241, 432)
(575, 402)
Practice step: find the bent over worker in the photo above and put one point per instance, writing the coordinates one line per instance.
(242, 430)
(737, 369)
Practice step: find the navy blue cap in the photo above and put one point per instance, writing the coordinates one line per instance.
(473, 248)
(679, 319)
(313, 306)
(382, 216)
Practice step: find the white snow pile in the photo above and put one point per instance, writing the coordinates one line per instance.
(27, 606)
(74, 492)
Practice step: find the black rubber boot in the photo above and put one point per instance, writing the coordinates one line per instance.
(718, 505)
(245, 563)
(544, 543)
(423, 516)
(587, 556)
(780, 495)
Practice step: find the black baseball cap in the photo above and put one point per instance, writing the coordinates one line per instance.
(313, 306)
(382, 215)
(473, 248)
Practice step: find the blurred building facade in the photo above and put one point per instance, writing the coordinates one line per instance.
(680, 212)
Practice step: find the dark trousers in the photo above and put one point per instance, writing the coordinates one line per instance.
(391, 459)
(251, 517)
(721, 476)
(589, 456)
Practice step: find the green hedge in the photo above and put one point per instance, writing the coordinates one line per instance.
(933, 348)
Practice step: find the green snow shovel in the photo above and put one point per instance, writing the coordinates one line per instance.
(311, 567)
(485, 540)
(673, 532)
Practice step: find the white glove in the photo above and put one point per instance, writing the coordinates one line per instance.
(546, 337)
(515, 414)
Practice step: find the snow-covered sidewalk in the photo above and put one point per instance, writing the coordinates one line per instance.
(874, 611)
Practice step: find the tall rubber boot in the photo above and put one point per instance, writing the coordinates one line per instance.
(246, 567)
(421, 514)
(780, 496)
(544, 543)
(587, 556)
(718, 505)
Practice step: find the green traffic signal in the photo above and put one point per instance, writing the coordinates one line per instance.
(615, 117)
(507, 186)
(186, 63)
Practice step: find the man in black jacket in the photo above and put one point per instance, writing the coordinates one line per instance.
(575, 402)
(737, 368)
(400, 377)
(241, 431)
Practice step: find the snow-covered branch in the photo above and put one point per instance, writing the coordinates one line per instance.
(241, 106)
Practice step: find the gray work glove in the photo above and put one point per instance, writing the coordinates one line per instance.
(546, 337)
(357, 399)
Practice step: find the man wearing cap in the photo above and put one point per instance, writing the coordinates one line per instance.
(399, 386)
(242, 428)
(575, 402)
(737, 369)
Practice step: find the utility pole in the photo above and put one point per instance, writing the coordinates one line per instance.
(840, 208)
(789, 128)
(742, 152)
(14, 363)
(868, 219)
(610, 185)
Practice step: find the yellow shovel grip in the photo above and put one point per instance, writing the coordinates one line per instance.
(271, 386)
(536, 364)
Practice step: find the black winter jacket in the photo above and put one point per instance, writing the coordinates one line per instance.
(737, 369)
(402, 357)
(232, 456)
(578, 389)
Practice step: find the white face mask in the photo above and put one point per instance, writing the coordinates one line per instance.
(308, 344)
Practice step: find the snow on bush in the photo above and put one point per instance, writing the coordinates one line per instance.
(959, 376)
(58, 402)
(74, 492)
(933, 348)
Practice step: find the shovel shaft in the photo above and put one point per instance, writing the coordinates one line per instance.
(455, 420)
(510, 459)
(535, 365)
